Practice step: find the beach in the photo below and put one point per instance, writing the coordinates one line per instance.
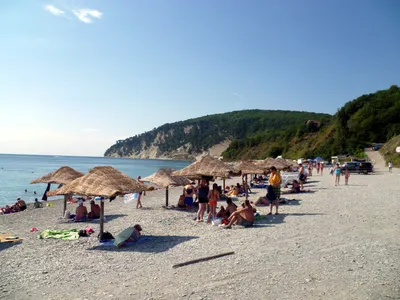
(335, 243)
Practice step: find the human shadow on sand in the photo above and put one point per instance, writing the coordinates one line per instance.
(151, 244)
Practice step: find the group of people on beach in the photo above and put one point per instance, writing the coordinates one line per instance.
(20, 205)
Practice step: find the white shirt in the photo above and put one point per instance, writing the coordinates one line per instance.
(390, 165)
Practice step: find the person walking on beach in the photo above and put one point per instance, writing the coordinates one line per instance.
(346, 176)
(390, 164)
(321, 168)
(275, 181)
(139, 202)
(202, 195)
(336, 172)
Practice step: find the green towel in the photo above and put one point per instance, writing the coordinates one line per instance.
(257, 218)
(68, 235)
(123, 236)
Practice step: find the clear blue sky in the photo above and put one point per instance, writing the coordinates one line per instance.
(75, 76)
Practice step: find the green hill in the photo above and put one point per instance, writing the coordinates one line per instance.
(257, 134)
(187, 139)
(372, 118)
(389, 151)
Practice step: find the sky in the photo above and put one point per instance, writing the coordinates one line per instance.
(75, 76)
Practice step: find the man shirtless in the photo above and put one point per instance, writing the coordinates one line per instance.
(94, 210)
(81, 212)
(242, 216)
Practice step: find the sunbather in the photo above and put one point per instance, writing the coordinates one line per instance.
(81, 212)
(94, 210)
(242, 216)
(135, 236)
(21, 204)
(231, 207)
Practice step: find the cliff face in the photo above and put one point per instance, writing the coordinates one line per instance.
(205, 135)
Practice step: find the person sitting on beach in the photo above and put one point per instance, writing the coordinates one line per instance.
(242, 216)
(295, 189)
(15, 208)
(37, 204)
(223, 213)
(189, 191)
(81, 212)
(7, 209)
(233, 192)
(94, 210)
(21, 204)
(231, 207)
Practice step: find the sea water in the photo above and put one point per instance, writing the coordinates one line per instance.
(17, 171)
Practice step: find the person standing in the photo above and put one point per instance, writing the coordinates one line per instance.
(302, 176)
(390, 164)
(139, 202)
(336, 172)
(275, 181)
(321, 168)
(189, 191)
(346, 176)
(202, 195)
(214, 197)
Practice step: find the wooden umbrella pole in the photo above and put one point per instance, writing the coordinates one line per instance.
(101, 219)
(65, 204)
(246, 191)
(166, 196)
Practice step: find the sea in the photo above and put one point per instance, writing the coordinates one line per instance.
(17, 171)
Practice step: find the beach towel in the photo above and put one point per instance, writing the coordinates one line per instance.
(9, 238)
(68, 235)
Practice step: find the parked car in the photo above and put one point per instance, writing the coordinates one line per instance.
(365, 167)
(357, 167)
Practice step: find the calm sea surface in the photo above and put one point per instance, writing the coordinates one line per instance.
(17, 171)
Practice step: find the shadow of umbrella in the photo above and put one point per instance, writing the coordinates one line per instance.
(151, 244)
(105, 182)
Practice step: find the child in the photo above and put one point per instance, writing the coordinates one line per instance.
(213, 199)
(346, 176)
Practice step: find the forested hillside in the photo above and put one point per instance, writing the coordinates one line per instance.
(257, 134)
(372, 118)
(194, 136)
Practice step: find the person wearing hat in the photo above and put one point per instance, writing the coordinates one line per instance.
(81, 211)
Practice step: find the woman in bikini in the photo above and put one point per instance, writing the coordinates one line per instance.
(213, 197)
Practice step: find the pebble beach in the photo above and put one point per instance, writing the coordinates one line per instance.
(339, 242)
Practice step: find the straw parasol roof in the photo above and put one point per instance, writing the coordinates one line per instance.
(269, 162)
(101, 181)
(164, 178)
(247, 167)
(206, 166)
(62, 175)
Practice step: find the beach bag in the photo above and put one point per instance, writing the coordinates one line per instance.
(82, 233)
(106, 236)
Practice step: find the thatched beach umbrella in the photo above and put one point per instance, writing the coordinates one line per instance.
(269, 162)
(63, 175)
(163, 178)
(247, 167)
(206, 166)
(102, 181)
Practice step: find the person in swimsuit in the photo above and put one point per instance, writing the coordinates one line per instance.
(214, 197)
(135, 236)
(189, 192)
(202, 195)
(81, 212)
(139, 202)
(346, 176)
(337, 172)
(302, 176)
(242, 216)
(21, 204)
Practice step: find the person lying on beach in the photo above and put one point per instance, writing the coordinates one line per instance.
(21, 204)
(94, 210)
(81, 212)
(242, 216)
(233, 192)
(135, 236)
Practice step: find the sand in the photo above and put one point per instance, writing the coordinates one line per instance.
(337, 243)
